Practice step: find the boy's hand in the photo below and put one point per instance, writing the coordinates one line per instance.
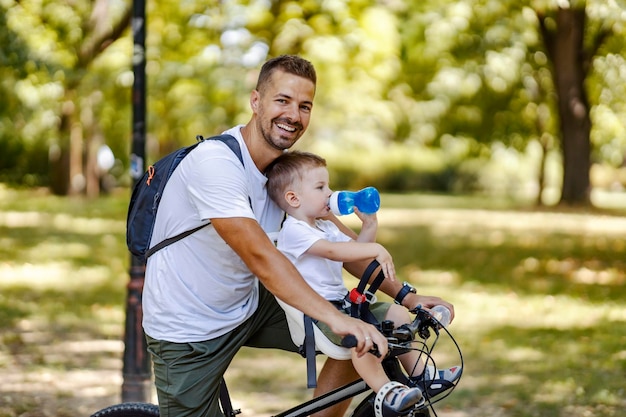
(386, 263)
(368, 220)
(369, 227)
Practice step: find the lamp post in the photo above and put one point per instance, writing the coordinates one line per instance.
(136, 371)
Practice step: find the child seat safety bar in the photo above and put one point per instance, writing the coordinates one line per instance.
(360, 299)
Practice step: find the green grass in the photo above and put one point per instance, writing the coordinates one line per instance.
(539, 298)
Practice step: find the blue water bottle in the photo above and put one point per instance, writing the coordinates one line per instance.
(367, 200)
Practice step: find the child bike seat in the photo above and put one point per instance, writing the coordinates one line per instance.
(295, 320)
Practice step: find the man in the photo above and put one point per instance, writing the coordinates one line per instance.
(212, 292)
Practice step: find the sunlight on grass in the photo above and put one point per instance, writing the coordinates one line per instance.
(539, 300)
(556, 391)
(486, 310)
(52, 275)
(61, 222)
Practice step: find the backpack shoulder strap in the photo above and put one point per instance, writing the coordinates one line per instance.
(232, 143)
(229, 141)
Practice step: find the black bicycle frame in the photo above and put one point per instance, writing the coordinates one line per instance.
(392, 369)
(324, 401)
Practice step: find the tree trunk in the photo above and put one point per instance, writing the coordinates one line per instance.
(68, 174)
(565, 49)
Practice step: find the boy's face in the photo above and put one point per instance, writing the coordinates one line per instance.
(314, 192)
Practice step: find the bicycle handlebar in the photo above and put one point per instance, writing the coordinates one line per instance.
(420, 326)
(349, 341)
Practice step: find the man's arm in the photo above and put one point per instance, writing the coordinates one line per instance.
(246, 237)
(392, 288)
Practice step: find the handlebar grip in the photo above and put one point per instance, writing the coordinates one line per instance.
(349, 341)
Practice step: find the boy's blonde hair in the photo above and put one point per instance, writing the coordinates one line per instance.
(287, 170)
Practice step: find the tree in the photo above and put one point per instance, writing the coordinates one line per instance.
(563, 33)
(478, 72)
(425, 74)
(64, 39)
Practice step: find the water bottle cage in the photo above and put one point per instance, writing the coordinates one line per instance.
(357, 297)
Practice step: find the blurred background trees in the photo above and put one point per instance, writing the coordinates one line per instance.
(519, 98)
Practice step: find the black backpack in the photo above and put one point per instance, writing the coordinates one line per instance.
(146, 197)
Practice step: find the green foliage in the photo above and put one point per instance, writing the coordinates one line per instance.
(16, 152)
(418, 73)
(450, 169)
(51, 78)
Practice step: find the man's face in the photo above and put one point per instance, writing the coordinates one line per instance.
(283, 109)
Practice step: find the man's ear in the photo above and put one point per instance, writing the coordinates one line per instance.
(254, 100)
(292, 199)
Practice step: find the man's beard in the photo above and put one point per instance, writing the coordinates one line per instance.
(279, 144)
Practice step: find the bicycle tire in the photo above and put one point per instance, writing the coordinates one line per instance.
(129, 410)
(366, 409)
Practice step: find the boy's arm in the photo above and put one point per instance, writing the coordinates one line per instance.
(344, 229)
(392, 288)
(369, 227)
(353, 252)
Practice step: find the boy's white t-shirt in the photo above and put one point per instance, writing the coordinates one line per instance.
(198, 288)
(323, 275)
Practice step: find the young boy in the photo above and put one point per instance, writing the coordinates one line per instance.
(299, 183)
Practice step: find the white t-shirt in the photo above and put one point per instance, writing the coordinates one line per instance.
(198, 288)
(323, 275)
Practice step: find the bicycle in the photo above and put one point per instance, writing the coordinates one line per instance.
(422, 334)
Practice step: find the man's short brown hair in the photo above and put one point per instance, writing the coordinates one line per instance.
(291, 64)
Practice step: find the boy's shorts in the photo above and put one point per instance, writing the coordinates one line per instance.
(378, 309)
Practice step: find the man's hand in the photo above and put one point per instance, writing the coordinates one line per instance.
(366, 335)
(429, 301)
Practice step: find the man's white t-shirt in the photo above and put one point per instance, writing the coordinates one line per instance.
(198, 288)
(323, 275)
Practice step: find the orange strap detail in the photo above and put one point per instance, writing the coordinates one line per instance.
(150, 174)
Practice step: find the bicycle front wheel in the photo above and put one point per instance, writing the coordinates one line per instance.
(129, 410)
(366, 408)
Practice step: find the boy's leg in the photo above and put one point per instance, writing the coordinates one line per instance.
(334, 374)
